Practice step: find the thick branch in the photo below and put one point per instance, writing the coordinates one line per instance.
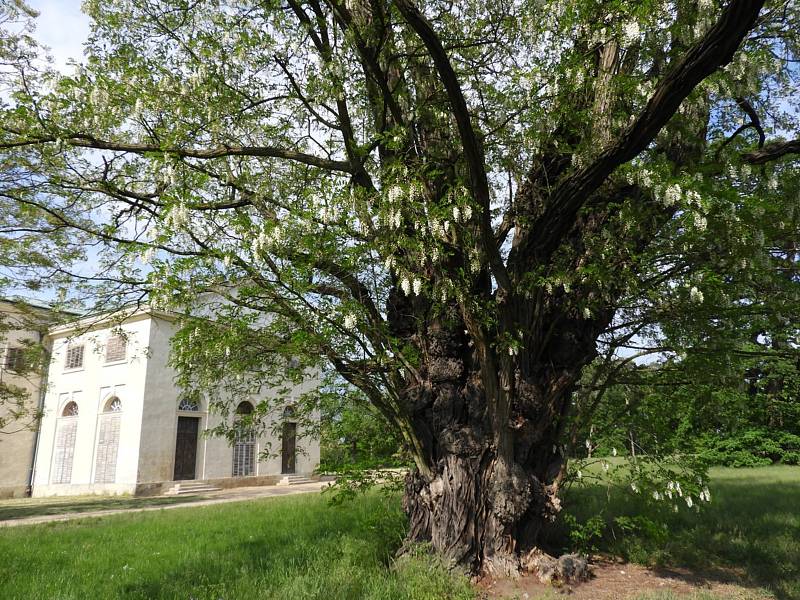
(714, 50)
(473, 153)
(772, 151)
(83, 140)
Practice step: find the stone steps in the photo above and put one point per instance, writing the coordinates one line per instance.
(294, 480)
(190, 487)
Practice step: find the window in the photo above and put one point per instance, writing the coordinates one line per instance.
(74, 359)
(115, 348)
(244, 408)
(65, 449)
(188, 404)
(244, 447)
(15, 360)
(113, 405)
(105, 469)
(70, 410)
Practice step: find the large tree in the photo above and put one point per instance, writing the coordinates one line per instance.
(446, 203)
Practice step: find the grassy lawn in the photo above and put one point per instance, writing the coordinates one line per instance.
(751, 529)
(19, 508)
(293, 547)
(300, 547)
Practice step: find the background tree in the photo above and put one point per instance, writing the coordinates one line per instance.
(449, 204)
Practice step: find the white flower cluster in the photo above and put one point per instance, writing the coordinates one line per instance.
(460, 214)
(631, 32)
(169, 176)
(700, 222)
(695, 295)
(350, 321)
(266, 239)
(439, 228)
(395, 194)
(705, 495)
(672, 195)
(408, 286)
(178, 217)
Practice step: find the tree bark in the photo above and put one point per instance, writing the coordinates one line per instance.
(481, 507)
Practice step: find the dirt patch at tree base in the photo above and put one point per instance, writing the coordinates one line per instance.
(614, 580)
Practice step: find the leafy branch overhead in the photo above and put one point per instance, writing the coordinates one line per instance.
(451, 207)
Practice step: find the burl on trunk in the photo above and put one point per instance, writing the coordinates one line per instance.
(488, 480)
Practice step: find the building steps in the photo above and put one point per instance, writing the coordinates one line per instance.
(190, 487)
(294, 480)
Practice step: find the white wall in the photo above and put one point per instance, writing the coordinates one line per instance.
(91, 386)
(145, 383)
(214, 454)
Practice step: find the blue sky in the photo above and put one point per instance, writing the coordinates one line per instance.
(62, 27)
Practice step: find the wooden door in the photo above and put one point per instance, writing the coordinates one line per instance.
(186, 448)
(288, 447)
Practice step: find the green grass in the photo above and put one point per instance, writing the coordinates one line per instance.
(750, 531)
(38, 507)
(294, 547)
(301, 547)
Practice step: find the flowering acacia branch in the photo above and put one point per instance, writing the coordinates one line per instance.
(473, 152)
(714, 50)
(83, 140)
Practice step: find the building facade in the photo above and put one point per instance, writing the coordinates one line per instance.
(22, 329)
(113, 422)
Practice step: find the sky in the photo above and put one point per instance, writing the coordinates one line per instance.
(62, 27)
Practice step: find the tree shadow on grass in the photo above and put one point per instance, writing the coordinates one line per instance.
(331, 553)
(748, 535)
(12, 511)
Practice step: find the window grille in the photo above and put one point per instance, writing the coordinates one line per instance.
(244, 454)
(113, 405)
(244, 447)
(70, 410)
(188, 404)
(107, 447)
(74, 359)
(115, 348)
(65, 449)
(15, 360)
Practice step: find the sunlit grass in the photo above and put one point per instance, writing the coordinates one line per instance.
(294, 547)
(751, 529)
(302, 547)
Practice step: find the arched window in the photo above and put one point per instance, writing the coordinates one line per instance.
(289, 412)
(189, 405)
(70, 410)
(114, 404)
(105, 466)
(66, 432)
(244, 445)
(244, 408)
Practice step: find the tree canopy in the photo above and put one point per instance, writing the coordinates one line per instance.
(450, 205)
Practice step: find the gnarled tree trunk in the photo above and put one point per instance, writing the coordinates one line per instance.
(490, 485)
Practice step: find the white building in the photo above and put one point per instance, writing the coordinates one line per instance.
(113, 424)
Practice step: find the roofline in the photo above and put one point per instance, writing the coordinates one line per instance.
(34, 304)
(94, 322)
